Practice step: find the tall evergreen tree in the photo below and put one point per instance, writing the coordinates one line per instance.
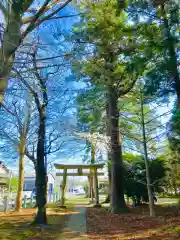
(161, 30)
(114, 62)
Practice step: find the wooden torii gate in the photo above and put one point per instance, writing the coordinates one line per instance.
(92, 170)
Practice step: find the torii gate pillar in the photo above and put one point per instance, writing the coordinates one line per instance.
(62, 189)
(93, 170)
(97, 204)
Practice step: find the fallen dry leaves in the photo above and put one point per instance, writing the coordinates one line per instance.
(103, 225)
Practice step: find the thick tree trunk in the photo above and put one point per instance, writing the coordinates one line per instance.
(93, 152)
(41, 178)
(108, 134)
(11, 41)
(36, 186)
(170, 48)
(109, 175)
(117, 186)
(21, 177)
(107, 200)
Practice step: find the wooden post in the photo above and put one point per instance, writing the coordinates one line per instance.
(89, 189)
(54, 197)
(5, 204)
(63, 186)
(25, 201)
(32, 201)
(96, 188)
(59, 192)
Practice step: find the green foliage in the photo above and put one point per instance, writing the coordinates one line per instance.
(130, 108)
(135, 177)
(174, 150)
(173, 177)
(114, 56)
(91, 105)
(130, 158)
(174, 131)
(162, 45)
(14, 184)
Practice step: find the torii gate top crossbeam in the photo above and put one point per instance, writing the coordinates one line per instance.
(79, 166)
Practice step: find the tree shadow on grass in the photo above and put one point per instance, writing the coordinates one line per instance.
(19, 227)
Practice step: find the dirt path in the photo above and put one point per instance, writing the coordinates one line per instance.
(76, 228)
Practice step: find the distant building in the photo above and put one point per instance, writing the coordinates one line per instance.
(4, 178)
(29, 184)
(4, 174)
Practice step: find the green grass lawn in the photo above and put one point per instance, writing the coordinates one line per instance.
(76, 200)
(81, 200)
(17, 226)
(70, 202)
(166, 201)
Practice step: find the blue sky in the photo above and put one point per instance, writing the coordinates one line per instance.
(54, 44)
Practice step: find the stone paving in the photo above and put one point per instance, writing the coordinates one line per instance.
(76, 228)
